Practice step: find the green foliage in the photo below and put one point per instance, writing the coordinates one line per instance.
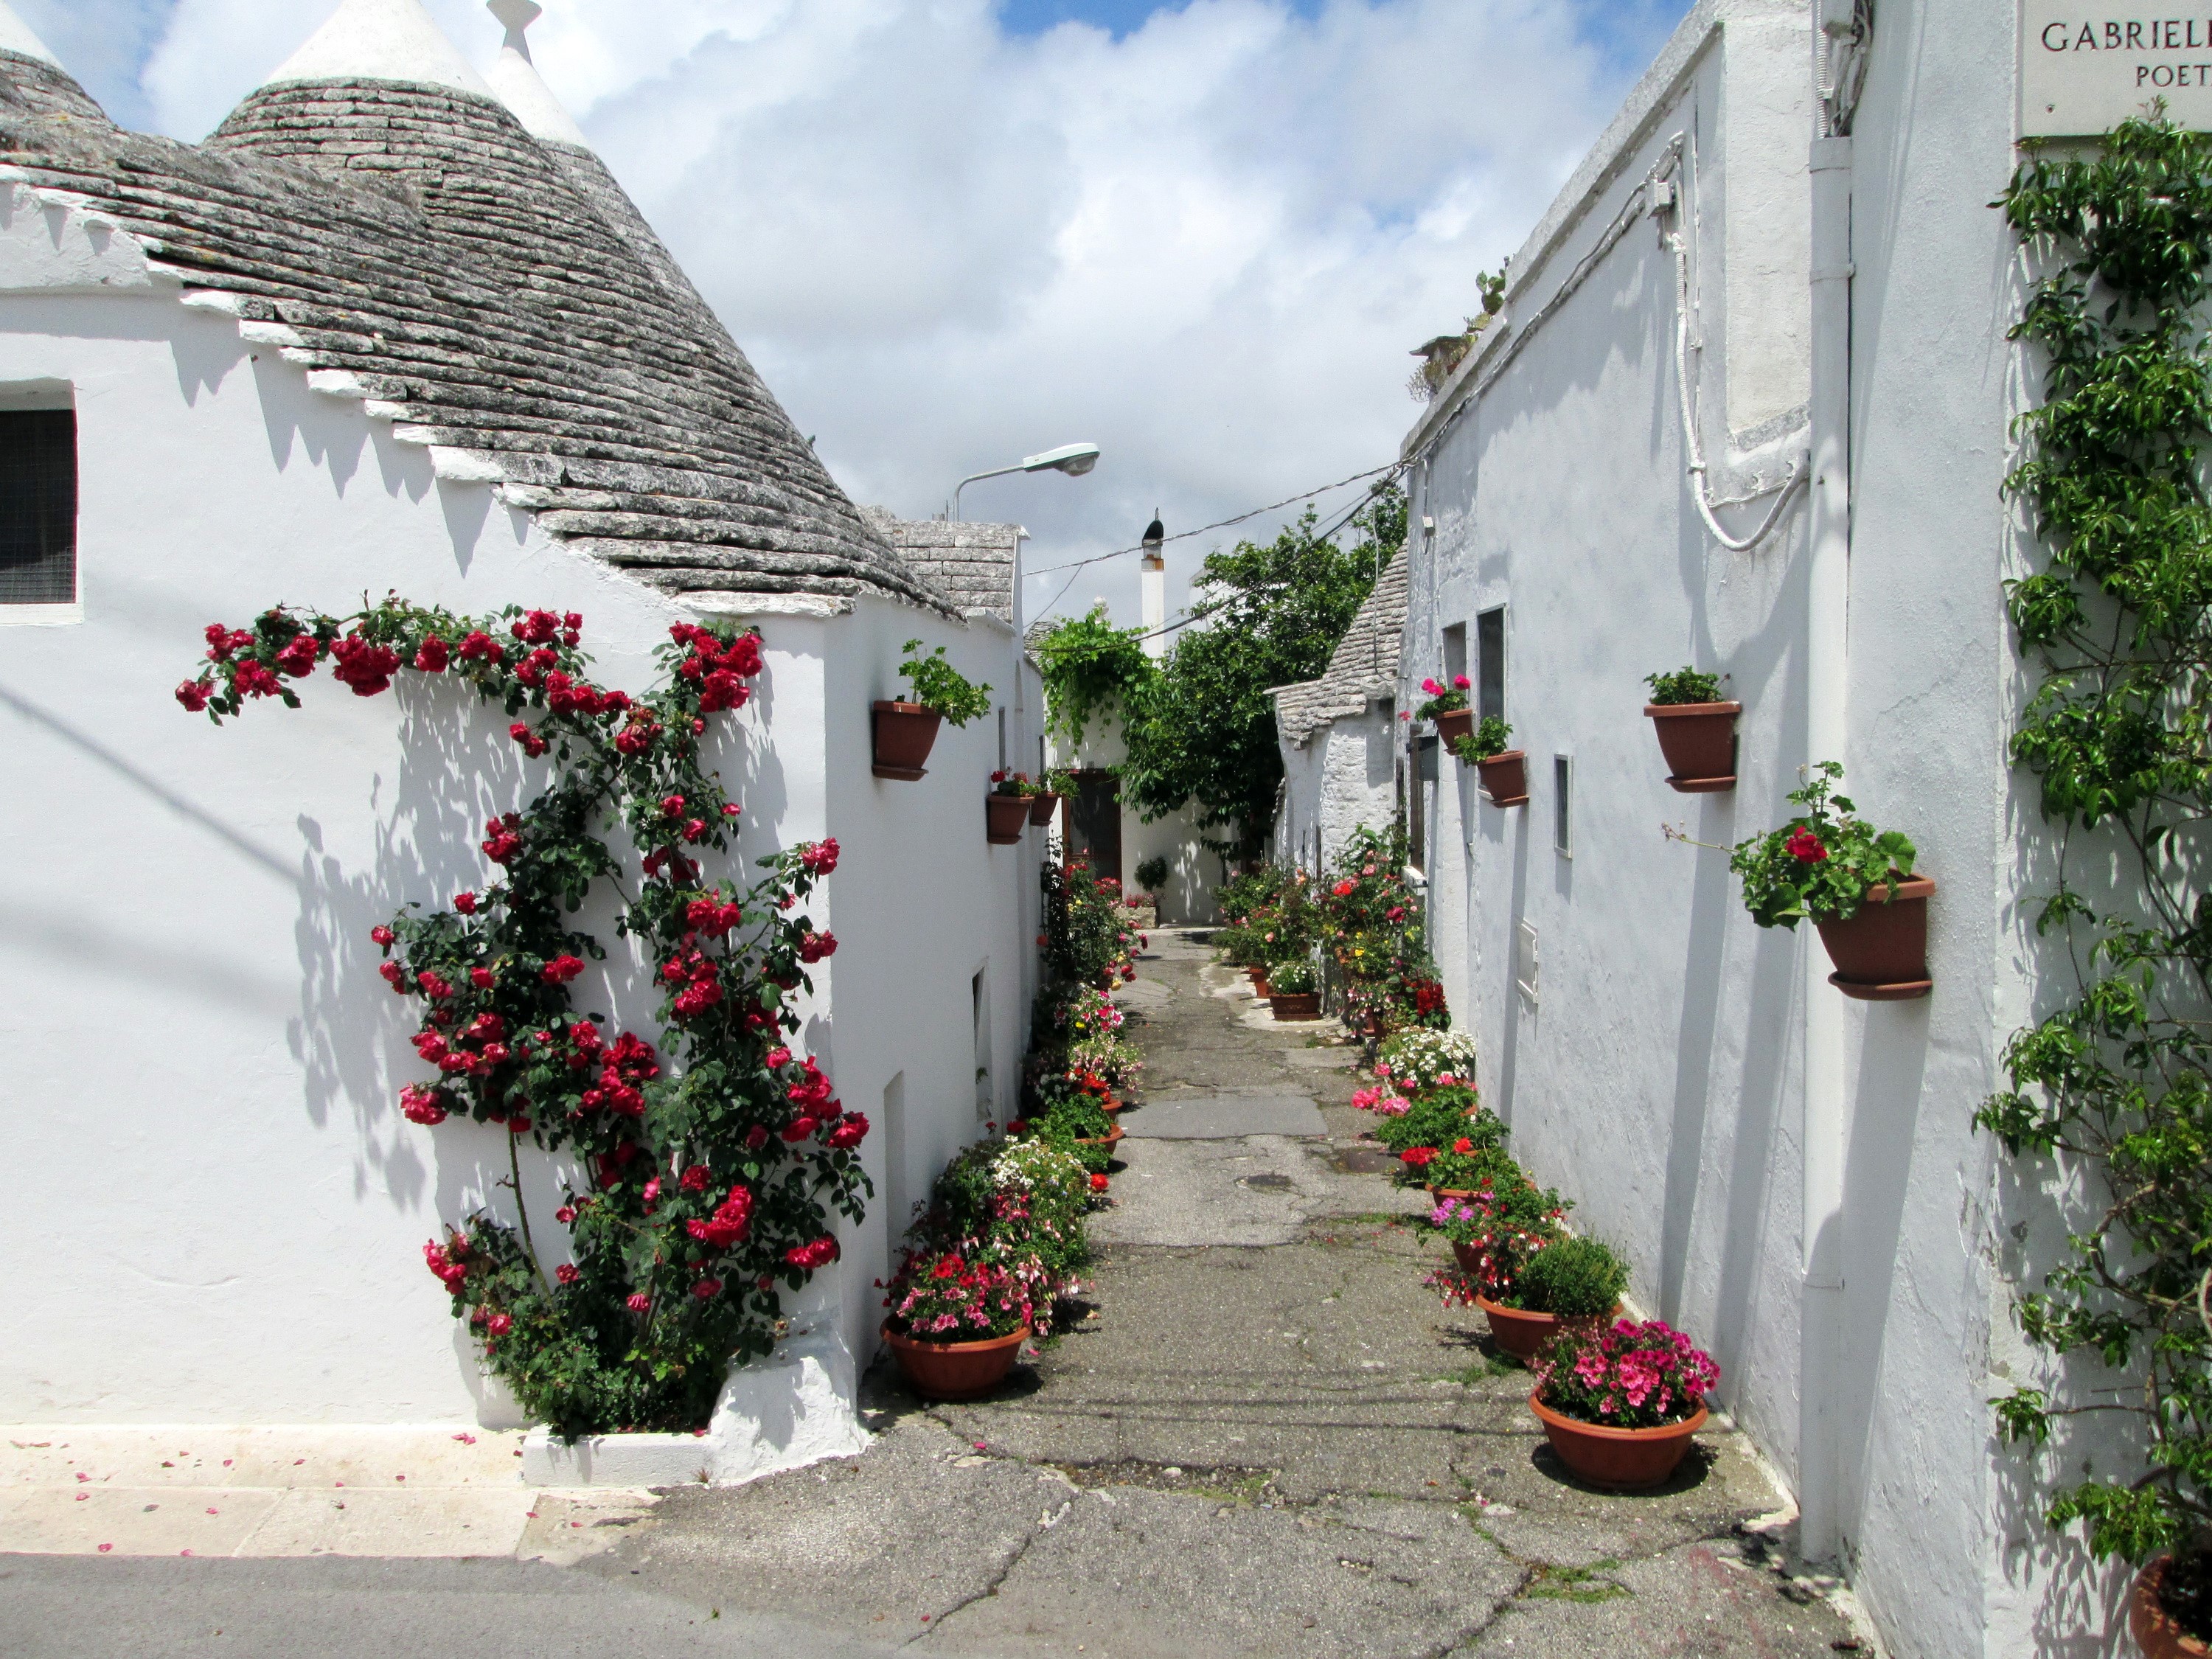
(1292, 975)
(1487, 739)
(1440, 1118)
(1575, 1278)
(1373, 923)
(1685, 685)
(1088, 666)
(1820, 866)
(1153, 872)
(2114, 1084)
(938, 685)
(1202, 729)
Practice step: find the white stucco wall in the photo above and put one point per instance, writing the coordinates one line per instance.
(1342, 779)
(222, 1214)
(1658, 1075)
(1192, 872)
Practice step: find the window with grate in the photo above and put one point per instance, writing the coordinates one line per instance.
(38, 506)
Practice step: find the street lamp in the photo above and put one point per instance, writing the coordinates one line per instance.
(1073, 459)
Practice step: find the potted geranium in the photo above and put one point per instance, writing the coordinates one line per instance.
(1504, 772)
(1855, 883)
(1619, 1406)
(905, 731)
(1696, 728)
(1007, 808)
(958, 1318)
(1494, 1234)
(1447, 706)
(1293, 991)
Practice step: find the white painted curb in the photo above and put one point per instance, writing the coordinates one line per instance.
(793, 1408)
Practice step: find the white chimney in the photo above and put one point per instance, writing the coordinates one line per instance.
(1152, 585)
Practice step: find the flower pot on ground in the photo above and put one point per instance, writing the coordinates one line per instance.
(904, 734)
(2157, 1629)
(1524, 1333)
(1107, 1142)
(955, 1370)
(1293, 991)
(1004, 817)
(1570, 1288)
(1619, 1406)
(1696, 730)
(1296, 1005)
(1853, 882)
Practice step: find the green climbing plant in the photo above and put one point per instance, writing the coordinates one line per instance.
(2112, 1090)
(1088, 665)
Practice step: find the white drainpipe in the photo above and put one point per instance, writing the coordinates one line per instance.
(1827, 737)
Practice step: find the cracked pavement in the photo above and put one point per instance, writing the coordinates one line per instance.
(1269, 1440)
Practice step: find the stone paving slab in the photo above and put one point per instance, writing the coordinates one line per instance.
(1225, 1117)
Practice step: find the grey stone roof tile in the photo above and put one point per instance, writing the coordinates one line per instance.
(1364, 665)
(500, 298)
(972, 563)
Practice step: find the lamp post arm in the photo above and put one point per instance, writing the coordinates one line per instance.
(976, 478)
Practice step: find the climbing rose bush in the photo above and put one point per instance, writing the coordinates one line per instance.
(707, 1156)
(1633, 1376)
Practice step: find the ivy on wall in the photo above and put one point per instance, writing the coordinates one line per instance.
(2113, 1084)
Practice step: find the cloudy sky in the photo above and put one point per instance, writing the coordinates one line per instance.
(1202, 235)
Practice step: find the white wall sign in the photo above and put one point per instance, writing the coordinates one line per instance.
(2082, 72)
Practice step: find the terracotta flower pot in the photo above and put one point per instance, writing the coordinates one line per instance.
(1109, 1140)
(1004, 817)
(904, 734)
(1450, 728)
(1698, 740)
(955, 1370)
(1505, 777)
(1625, 1460)
(1522, 1334)
(1881, 953)
(1042, 807)
(2158, 1632)
(1296, 1005)
(1259, 986)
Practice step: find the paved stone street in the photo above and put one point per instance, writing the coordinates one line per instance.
(1269, 1440)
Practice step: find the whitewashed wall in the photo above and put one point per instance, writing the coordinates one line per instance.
(1656, 1075)
(1192, 872)
(1342, 779)
(218, 1214)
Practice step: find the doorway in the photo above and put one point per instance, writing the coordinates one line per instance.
(1090, 825)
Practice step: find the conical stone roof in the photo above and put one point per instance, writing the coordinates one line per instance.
(499, 299)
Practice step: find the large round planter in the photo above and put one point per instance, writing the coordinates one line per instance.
(1881, 953)
(1042, 807)
(1522, 1334)
(1450, 728)
(1296, 1005)
(1698, 740)
(1622, 1460)
(904, 734)
(1109, 1140)
(955, 1370)
(1004, 817)
(1506, 778)
(2158, 1632)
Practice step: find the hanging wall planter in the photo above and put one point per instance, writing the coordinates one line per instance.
(1004, 817)
(904, 734)
(1042, 806)
(1453, 726)
(1698, 740)
(1506, 778)
(1880, 952)
(1447, 706)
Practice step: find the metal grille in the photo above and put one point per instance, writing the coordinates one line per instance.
(38, 506)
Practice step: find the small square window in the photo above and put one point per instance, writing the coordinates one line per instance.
(38, 506)
(1489, 664)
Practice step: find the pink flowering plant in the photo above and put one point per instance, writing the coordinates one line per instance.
(1633, 1376)
(1443, 699)
(1507, 1222)
(710, 1155)
(960, 1298)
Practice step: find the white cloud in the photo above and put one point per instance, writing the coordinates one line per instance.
(1206, 246)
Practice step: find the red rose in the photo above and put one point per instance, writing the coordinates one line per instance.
(466, 904)
(708, 1288)
(562, 969)
(566, 1274)
(499, 1324)
(383, 936)
(852, 1130)
(639, 1302)
(194, 695)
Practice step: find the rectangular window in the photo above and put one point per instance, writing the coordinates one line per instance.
(1563, 804)
(38, 506)
(1455, 653)
(1002, 738)
(1490, 662)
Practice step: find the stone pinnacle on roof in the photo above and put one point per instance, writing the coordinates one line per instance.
(514, 78)
(16, 36)
(381, 41)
